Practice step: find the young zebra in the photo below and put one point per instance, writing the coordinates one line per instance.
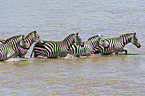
(88, 46)
(11, 47)
(29, 39)
(52, 49)
(117, 44)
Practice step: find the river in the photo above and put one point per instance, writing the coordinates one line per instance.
(85, 76)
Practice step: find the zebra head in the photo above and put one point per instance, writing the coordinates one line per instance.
(131, 37)
(33, 37)
(135, 41)
(73, 38)
(98, 40)
(78, 39)
(103, 42)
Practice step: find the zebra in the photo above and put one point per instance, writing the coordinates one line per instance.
(29, 39)
(116, 45)
(10, 48)
(53, 49)
(86, 49)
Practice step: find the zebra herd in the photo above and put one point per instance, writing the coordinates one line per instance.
(17, 46)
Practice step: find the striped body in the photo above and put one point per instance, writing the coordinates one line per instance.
(29, 39)
(11, 47)
(52, 49)
(117, 44)
(88, 46)
(78, 50)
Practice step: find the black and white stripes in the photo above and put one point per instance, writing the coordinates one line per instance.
(17, 46)
(117, 44)
(11, 47)
(52, 49)
(30, 39)
(86, 49)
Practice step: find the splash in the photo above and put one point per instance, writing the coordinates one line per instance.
(17, 59)
(13, 59)
(69, 56)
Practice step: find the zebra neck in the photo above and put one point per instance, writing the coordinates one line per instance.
(125, 40)
(93, 43)
(67, 42)
(89, 44)
(30, 41)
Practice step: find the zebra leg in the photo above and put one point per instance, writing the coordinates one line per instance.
(123, 50)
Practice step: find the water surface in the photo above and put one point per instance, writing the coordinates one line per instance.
(54, 20)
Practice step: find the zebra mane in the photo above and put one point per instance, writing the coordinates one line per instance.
(14, 37)
(128, 34)
(70, 36)
(30, 33)
(95, 37)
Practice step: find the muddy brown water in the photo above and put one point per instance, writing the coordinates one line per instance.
(91, 76)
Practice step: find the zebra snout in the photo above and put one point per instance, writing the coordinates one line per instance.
(139, 45)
